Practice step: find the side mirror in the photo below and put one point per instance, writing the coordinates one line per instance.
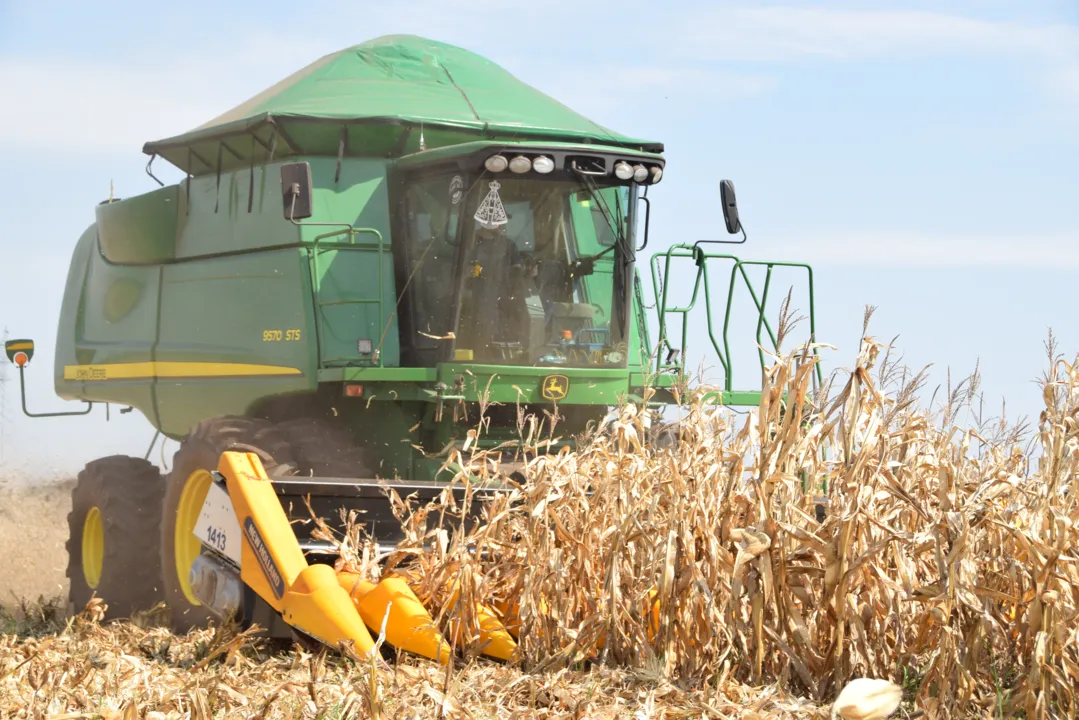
(296, 190)
(730, 206)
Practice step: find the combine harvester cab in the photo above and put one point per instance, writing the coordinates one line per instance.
(359, 261)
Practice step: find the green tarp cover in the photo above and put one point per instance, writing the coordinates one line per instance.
(372, 100)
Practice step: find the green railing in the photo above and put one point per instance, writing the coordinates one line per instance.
(721, 344)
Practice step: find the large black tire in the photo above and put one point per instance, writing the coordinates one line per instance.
(127, 494)
(321, 448)
(295, 447)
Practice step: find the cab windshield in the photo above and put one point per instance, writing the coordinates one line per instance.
(517, 271)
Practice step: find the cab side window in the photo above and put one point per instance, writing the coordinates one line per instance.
(432, 233)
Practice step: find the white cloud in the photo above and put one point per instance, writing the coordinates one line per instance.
(770, 36)
(79, 106)
(925, 251)
(612, 95)
(726, 84)
(789, 33)
(1063, 84)
(70, 105)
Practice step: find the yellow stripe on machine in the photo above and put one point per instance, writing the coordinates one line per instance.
(170, 369)
(20, 346)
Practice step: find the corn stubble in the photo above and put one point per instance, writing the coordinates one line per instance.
(946, 564)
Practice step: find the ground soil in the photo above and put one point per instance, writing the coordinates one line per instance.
(33, 531)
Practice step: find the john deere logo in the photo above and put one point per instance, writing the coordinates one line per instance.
(555, 387)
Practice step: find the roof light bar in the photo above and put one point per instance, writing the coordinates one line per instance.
(520, 164)
(543, 164)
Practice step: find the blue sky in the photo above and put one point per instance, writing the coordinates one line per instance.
(922, 155)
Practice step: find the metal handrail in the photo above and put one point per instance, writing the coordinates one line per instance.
(700, 258)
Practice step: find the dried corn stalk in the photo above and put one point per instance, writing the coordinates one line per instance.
(941, 563)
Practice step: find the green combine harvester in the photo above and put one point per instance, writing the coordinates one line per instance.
(358, 258)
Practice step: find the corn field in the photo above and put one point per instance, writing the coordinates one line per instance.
(942, 561)
(753, 568)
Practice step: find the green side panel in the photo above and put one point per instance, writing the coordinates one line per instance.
(509, 384)
(71, 313)
(354, 280)
(249, 309)
(108, 316)
(386, 87)
(142, 229)
(238, 215)
(379, 375)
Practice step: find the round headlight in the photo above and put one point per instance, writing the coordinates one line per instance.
(640, 173)
(622, 170)
(543, 164)
(520, 164)
(495, 163)
(657, 173)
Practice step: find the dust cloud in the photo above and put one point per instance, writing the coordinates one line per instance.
(33, 534)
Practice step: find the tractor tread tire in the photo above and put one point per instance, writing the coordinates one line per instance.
(324, 449)
(128, 492)
(304, 446)
(201, 449)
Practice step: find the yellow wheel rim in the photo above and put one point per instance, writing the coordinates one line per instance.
(93, 547)
(186, 545)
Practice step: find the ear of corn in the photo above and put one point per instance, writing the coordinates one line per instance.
(867, 699)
